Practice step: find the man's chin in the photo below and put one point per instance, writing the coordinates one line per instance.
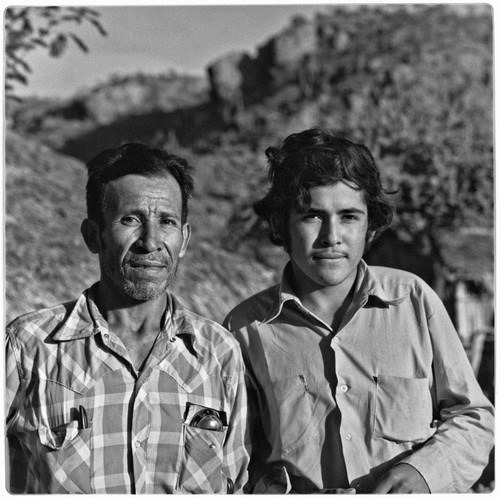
(147, 287)
(145, 292)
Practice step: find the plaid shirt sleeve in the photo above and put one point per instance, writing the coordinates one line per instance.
(16, 462)
(237, 445)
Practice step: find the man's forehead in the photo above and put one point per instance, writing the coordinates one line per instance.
(341, 192)
(136, 189)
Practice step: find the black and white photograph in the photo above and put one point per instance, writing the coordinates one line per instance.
(249, 248)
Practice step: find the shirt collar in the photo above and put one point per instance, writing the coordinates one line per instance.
(284, 293)
(180, 323)
(366, 285)
(80, 322)
(85, 319)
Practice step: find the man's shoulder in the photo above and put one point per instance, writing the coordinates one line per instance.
(393, 279)
(40, 323)
(211, 333)
(255, 308)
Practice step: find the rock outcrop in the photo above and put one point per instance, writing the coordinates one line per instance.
(295, 56)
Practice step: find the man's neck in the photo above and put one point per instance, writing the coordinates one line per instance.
(330, 303)
(137, 323)
(124, 311)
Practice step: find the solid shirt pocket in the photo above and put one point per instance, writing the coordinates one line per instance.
(403, 410)
(201, 463)
(294, 410)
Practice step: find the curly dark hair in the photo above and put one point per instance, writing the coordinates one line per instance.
(133, 159)
(316, 157)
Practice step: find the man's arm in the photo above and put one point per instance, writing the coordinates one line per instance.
(256, 436)
(454, 458)
(237, 444)
(402, 479)
(16, 463)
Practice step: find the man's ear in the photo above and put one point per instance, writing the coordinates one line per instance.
(370, 237)
(91, 235)
(276, 233)
(273, 223)
(186, 234)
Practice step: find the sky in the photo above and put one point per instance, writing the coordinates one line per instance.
(158, 38)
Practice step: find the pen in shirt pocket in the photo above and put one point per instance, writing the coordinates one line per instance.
(83, 420)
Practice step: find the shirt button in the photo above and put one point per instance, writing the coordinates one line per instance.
(137, 444)
(212, 446)
(344, 388)
(336, 339)
(172, 339)
(348, 437)
(106, 336)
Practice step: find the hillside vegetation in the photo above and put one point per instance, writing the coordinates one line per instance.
(413, 83)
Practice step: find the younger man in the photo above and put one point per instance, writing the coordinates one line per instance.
(358, 378)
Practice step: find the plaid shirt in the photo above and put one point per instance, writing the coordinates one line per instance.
(81, 419)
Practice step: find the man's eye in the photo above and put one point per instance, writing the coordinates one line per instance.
(130, 221)
(311, 217)
(350, 217)
(169, 222)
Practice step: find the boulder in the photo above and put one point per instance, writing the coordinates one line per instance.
(226, 77)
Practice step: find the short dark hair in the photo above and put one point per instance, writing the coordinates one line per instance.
(133, 159)
(317, 157)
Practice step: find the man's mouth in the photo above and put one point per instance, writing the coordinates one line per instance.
(332, 256)
(147, 264)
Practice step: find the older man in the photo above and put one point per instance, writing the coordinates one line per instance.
(123, 390)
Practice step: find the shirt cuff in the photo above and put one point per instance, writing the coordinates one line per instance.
(433, 467)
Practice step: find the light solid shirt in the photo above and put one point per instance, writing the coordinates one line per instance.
(393, 384)
(82, 419)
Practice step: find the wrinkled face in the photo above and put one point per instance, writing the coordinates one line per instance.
(143, 237)
(327, 242)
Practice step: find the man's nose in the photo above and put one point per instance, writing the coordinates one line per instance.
(150, 239)
(331, 233)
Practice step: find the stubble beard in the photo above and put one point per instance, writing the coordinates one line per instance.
(143, 290)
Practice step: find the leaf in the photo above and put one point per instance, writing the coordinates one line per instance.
(22, 63)
(40, 42)
(58, 46)
(76, 19)
(79, 42)
(99, 27)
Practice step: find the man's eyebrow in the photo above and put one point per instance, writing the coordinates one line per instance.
(161, 213)
(314, 210)
(353, 210)
(311, 210)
